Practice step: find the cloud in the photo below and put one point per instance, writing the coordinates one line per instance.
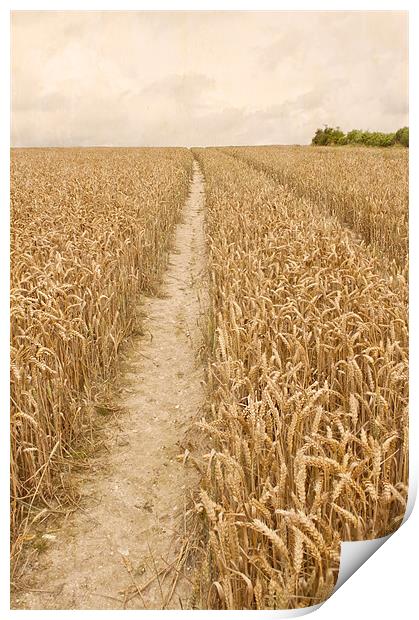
(181, 86)
(144, 78)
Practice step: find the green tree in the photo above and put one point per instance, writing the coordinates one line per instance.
(335, 136)
(320, 138)
(328, 135)
(402, 136)
(356, 136)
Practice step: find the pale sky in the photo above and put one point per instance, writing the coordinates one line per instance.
(202, 78)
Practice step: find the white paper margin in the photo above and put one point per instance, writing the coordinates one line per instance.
(353, 554)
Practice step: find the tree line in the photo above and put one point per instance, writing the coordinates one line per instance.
(335, 136)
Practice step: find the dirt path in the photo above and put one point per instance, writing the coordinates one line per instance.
(124, 534)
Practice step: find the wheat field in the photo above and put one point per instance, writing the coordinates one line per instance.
(90, 232)
(366, 189)
(306, 421)
(303, 439)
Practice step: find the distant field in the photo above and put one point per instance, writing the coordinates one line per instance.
(366, 188)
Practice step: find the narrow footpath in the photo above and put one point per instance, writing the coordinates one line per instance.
(123, 548)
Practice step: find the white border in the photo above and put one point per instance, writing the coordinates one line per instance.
(208, 5)
(386, 585)
(4, 304)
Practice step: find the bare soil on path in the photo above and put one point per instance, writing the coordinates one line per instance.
(129, 529)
